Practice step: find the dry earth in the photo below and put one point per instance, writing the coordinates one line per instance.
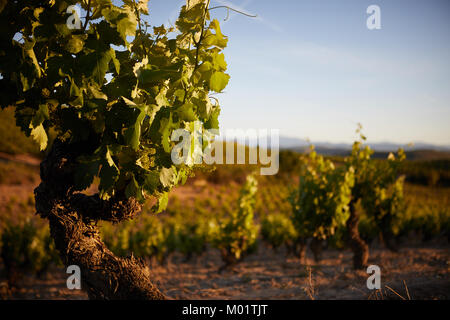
(420, 272)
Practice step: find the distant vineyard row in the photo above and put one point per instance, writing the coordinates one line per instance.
(191, 228)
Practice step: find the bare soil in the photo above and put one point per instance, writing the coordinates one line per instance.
(412, 273)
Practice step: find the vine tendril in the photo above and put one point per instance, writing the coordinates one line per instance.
(232, 9)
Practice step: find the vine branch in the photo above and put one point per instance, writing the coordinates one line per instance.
(88, 11)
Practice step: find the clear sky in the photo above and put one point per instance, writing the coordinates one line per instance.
(313, 69)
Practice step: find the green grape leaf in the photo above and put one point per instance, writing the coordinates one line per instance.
(75, 44)
(165, 130)
(218, 81)
(151, 182)
(168, 177)
(161, 205)
(85, 173)
(186, 112)
(133, 190)
(132, 134)
(40, 136)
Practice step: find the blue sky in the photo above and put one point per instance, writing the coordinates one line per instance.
(312, 69)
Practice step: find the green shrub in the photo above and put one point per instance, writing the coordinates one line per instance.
(25, 248)
(278, 230)
(321, 202)
(236, 234)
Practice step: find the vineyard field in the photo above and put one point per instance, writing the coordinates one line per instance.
(190, 269)
(205, 150)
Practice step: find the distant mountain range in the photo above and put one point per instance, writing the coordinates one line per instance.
(417, 151)
(297, 143)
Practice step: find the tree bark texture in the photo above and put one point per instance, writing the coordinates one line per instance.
(73, 217)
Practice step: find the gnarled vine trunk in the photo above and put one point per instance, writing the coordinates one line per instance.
(387, 236)
(301, 242)
(357, 244)
(316, 248)
(72, 217)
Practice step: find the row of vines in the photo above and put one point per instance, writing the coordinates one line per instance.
(266, 211)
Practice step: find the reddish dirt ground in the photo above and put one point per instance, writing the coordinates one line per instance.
(420, 272)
